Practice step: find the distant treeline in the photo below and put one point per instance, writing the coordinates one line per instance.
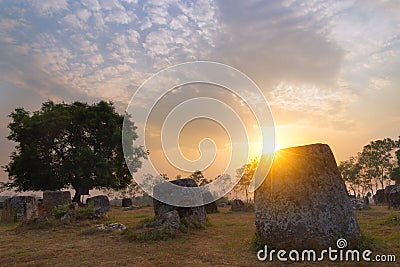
(376, 166)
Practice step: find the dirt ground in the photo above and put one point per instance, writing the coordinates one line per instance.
(227, 241)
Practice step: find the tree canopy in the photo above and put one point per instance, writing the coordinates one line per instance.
(246, 173)
(373, 167)
(199, 178)
(350, 170)
(71, 145)
(395, 173)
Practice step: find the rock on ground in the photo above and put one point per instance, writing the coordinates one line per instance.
(53, 199)
(358, 204)
(126, 202)
(142, 201)
(211, 207)
(189, 216)
(379, 197)
(386, 192)
(303, 202)
(20, 208)
(394, 197)
(100, 201)
(111, 227)
(170, 220)
(239, 205)
(132, 207)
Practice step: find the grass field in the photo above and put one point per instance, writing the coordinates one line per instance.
(225, 242)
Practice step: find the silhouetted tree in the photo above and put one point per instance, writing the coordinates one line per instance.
(71, 145)
(246, 173)
(350, 170)
(199, 178)
(395, 173)
(375, 160)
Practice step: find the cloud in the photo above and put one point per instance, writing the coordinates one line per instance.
(74, 21)
(278, 43)
(379, 83)
(309, 98)
(6, 28)
(119, 17)
(91, 5)
(83, 14)
(157, 42)
(48, 8)
(111, 5)
(321, 64)
(157, 11)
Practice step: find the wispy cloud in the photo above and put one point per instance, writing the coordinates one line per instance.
(312, 100)
(48, 8)
(317, 60)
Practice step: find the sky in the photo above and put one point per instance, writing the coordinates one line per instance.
(328, 69)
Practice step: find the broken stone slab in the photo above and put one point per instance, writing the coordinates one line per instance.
(111, 227)
(189, 216)
(20, 208)
(170, 219)
(211, 207)
(379, 197)
(52, 199)
(358, 204)
(66, 218)
(303, 202)
(394, 197)
(132, 207)
(126, 202)
(386, 192)
(99, 202)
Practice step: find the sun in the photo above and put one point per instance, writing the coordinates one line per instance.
(278, 145)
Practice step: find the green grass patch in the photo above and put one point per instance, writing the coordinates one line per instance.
(146, 234)
(141, 216)
(60, 211)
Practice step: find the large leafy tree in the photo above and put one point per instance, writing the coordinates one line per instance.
(350, 170)
(71, 145)
(375, 160)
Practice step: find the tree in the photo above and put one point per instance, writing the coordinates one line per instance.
(246, 173)
(350, 170)
(71, 145)
(132, 190)
(199, 178)
(375, 160)
(395, 172)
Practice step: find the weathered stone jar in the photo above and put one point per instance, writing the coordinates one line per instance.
(303, 202)
(189, 216)
(19, 208)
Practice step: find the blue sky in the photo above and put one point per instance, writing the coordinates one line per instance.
(329, 69)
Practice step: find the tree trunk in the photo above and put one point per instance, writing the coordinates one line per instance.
(77, 197)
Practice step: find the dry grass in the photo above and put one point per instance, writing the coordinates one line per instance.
(226, 242)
